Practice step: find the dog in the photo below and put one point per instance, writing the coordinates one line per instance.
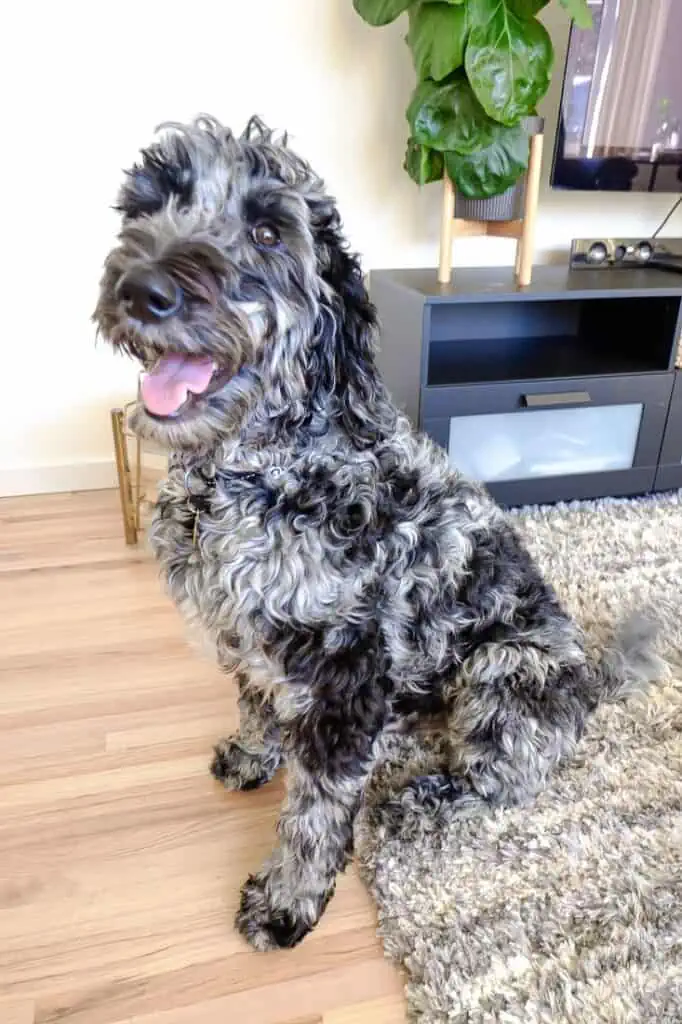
(337, 562)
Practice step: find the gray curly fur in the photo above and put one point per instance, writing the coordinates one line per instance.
(350, 573)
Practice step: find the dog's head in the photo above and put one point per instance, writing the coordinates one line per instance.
(231, 284)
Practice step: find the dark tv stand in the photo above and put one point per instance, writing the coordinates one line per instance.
(672, 263)
(562, 390)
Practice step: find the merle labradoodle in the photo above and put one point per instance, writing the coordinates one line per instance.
(333, 556)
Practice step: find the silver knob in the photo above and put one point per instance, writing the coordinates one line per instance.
(596, 253)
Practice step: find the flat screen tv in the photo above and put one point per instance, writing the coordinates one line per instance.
(620, 122)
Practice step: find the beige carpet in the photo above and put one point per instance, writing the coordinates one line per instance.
(570, 911)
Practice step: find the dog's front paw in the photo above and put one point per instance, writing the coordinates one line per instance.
(239, 768)
(266, 924)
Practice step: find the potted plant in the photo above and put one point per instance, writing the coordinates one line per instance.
(483, 66)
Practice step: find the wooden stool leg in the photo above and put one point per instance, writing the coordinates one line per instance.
(125, 490)
(526, 252)
(517, 265)
(446, 228)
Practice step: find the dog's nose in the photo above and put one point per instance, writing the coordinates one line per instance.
(149, 293)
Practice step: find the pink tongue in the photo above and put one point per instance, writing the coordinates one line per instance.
(165, 388)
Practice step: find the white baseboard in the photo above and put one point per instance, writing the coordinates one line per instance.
(98, 475)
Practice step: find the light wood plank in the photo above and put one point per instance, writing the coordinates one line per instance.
(388, 1010)
(306, 997)
(120, 858)
(12, 1012)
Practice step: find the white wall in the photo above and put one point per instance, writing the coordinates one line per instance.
(84, 84)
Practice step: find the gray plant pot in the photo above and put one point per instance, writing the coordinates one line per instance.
(508, 205)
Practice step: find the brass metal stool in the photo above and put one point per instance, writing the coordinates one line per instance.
(130, 481)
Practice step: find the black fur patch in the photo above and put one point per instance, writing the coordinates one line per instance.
(346, 345)
(350, 702)
(151, 183)
(503, 591)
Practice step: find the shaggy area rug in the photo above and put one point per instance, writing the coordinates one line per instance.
(571, 910)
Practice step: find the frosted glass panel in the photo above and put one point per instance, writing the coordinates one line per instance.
(545, 442)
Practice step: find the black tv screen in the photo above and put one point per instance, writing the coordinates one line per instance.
(620, 122)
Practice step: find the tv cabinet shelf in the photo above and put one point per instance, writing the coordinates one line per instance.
(484, 360)
(564, 389)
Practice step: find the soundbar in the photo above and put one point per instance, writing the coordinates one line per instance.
(614, 253)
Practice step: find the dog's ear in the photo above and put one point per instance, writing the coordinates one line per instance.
(347, 336)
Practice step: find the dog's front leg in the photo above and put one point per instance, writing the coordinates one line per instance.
(328, 761)
(251, 757)
(285, 900)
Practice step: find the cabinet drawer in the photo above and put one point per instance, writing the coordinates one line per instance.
(671, 453)
(512, 396)
(587, 430)
(669, 473)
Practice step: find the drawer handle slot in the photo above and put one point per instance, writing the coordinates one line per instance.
(556, 398)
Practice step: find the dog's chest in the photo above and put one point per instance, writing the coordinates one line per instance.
(205, 529)
(240, 557)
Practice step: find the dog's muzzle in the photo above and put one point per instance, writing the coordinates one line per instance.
(149, 294)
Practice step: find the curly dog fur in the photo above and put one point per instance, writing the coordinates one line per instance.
(331, 553)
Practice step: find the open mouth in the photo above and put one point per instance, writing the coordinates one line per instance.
(176, 380)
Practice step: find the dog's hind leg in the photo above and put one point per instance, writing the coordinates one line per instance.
(514, 712)
(250, 758)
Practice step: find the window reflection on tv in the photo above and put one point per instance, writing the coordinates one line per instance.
(620, 124)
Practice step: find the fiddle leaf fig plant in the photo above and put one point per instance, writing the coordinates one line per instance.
(508, 60)
(482, 67)
(380, 12)
(437, 38)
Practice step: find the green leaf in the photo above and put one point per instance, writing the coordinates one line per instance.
(447, 116)
(380, 12)
(493, 169)
(452, 3)
(579, 11)
(508, 60)
(423, 164)
(527, 8)
(437, 37)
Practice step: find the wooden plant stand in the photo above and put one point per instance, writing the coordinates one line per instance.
(522, 230)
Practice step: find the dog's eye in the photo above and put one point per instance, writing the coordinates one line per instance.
(265, 236)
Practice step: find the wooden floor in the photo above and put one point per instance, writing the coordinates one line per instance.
(120, 858)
